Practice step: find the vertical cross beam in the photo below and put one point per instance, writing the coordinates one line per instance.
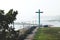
(39, 16)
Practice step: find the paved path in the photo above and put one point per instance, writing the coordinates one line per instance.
(31, 36)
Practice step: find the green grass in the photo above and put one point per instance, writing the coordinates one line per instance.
(48, 34)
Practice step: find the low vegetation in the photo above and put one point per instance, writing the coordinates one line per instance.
(48, 34)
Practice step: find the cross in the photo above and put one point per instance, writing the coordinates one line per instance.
(39, 16)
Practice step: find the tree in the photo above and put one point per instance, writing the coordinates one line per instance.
(5, 20)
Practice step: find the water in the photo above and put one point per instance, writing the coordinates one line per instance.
(51, 20)
(43, 22)
(17, 27)
(54, 23)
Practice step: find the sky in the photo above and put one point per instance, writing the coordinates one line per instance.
(27, 8)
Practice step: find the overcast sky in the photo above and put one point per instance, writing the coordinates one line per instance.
(27, 8)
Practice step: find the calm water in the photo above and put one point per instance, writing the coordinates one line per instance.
(54, 23)
(17, 27)
(44, 20)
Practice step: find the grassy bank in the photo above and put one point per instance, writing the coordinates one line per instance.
(48, 34)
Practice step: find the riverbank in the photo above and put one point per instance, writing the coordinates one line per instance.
(48, 34)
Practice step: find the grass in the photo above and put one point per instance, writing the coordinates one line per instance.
(48, 34)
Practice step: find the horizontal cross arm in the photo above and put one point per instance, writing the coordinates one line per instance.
(41, 12)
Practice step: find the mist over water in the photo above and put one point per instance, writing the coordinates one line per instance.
(44, 21)
(56, 24)
(17, 26)
(52, 20)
